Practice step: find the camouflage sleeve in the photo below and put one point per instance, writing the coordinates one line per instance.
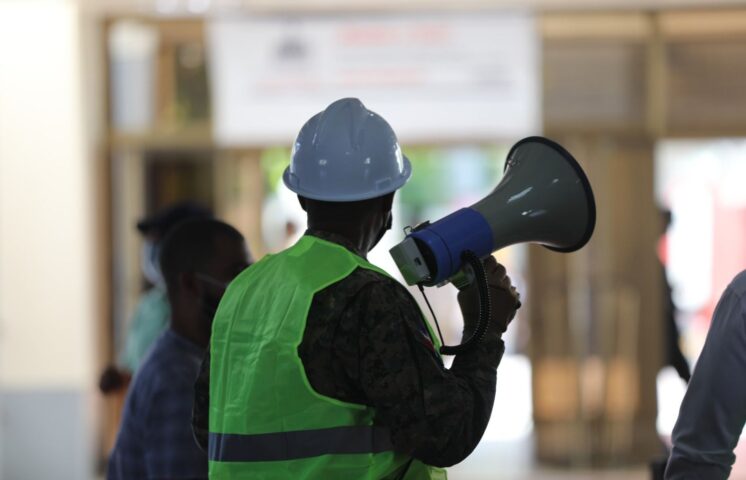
(201, 407)
(437, 415)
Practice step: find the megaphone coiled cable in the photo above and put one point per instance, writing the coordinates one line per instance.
(485, 308)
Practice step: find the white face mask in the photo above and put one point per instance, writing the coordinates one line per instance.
(149, 263)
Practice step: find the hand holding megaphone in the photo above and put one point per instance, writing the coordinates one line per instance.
(544, 197)
(504, 297)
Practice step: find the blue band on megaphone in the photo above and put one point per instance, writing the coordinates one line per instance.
(450, 236)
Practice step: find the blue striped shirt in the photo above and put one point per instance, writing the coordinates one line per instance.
(155, 438)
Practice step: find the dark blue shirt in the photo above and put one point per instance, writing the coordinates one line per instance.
(155, 437)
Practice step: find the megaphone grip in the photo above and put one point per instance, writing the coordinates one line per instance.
(485, 307)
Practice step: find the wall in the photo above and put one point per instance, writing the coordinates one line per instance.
(47, 296)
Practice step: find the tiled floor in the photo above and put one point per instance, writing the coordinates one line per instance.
(506, 450)
(635, 474)
(513, 460)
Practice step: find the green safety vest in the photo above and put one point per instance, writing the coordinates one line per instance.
(266, 421)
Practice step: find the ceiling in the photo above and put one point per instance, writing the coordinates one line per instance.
(202, 7)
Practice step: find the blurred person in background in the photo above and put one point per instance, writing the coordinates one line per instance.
(323, 366)
(672, 348)
(674, 355)
(713, 411)
(152, 313)
(198, 260)
(283, 220)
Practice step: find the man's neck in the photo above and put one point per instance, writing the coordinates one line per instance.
(191, 334)
(350, 242)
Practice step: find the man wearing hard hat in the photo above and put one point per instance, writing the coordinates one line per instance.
(321, 365)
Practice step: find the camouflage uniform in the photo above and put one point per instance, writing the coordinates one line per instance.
(366, 342)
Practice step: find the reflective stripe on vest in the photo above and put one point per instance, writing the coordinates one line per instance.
(298, 444)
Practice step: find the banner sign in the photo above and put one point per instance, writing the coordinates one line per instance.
(458, 77)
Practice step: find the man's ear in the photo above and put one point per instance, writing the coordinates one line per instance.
(388, 202)
(302, 202)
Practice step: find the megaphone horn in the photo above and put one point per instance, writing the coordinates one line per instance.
(544, 197)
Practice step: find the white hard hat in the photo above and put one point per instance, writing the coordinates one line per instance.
(346, 153)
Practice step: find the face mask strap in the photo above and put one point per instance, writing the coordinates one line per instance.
(212, 281)
(149, 263)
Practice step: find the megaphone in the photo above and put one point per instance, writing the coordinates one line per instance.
(544, 197)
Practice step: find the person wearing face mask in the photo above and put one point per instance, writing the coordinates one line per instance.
(320, 364)
(152, 313)
(199, 258)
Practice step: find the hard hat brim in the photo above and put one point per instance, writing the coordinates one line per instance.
(349, 197)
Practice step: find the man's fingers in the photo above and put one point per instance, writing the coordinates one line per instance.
(506, 288)
(491, 265)
(503, 282)
(516, 296)
(489, 262)
(492, 268)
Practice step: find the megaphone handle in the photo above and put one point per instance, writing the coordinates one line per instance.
(485, 307)
(462, 278)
